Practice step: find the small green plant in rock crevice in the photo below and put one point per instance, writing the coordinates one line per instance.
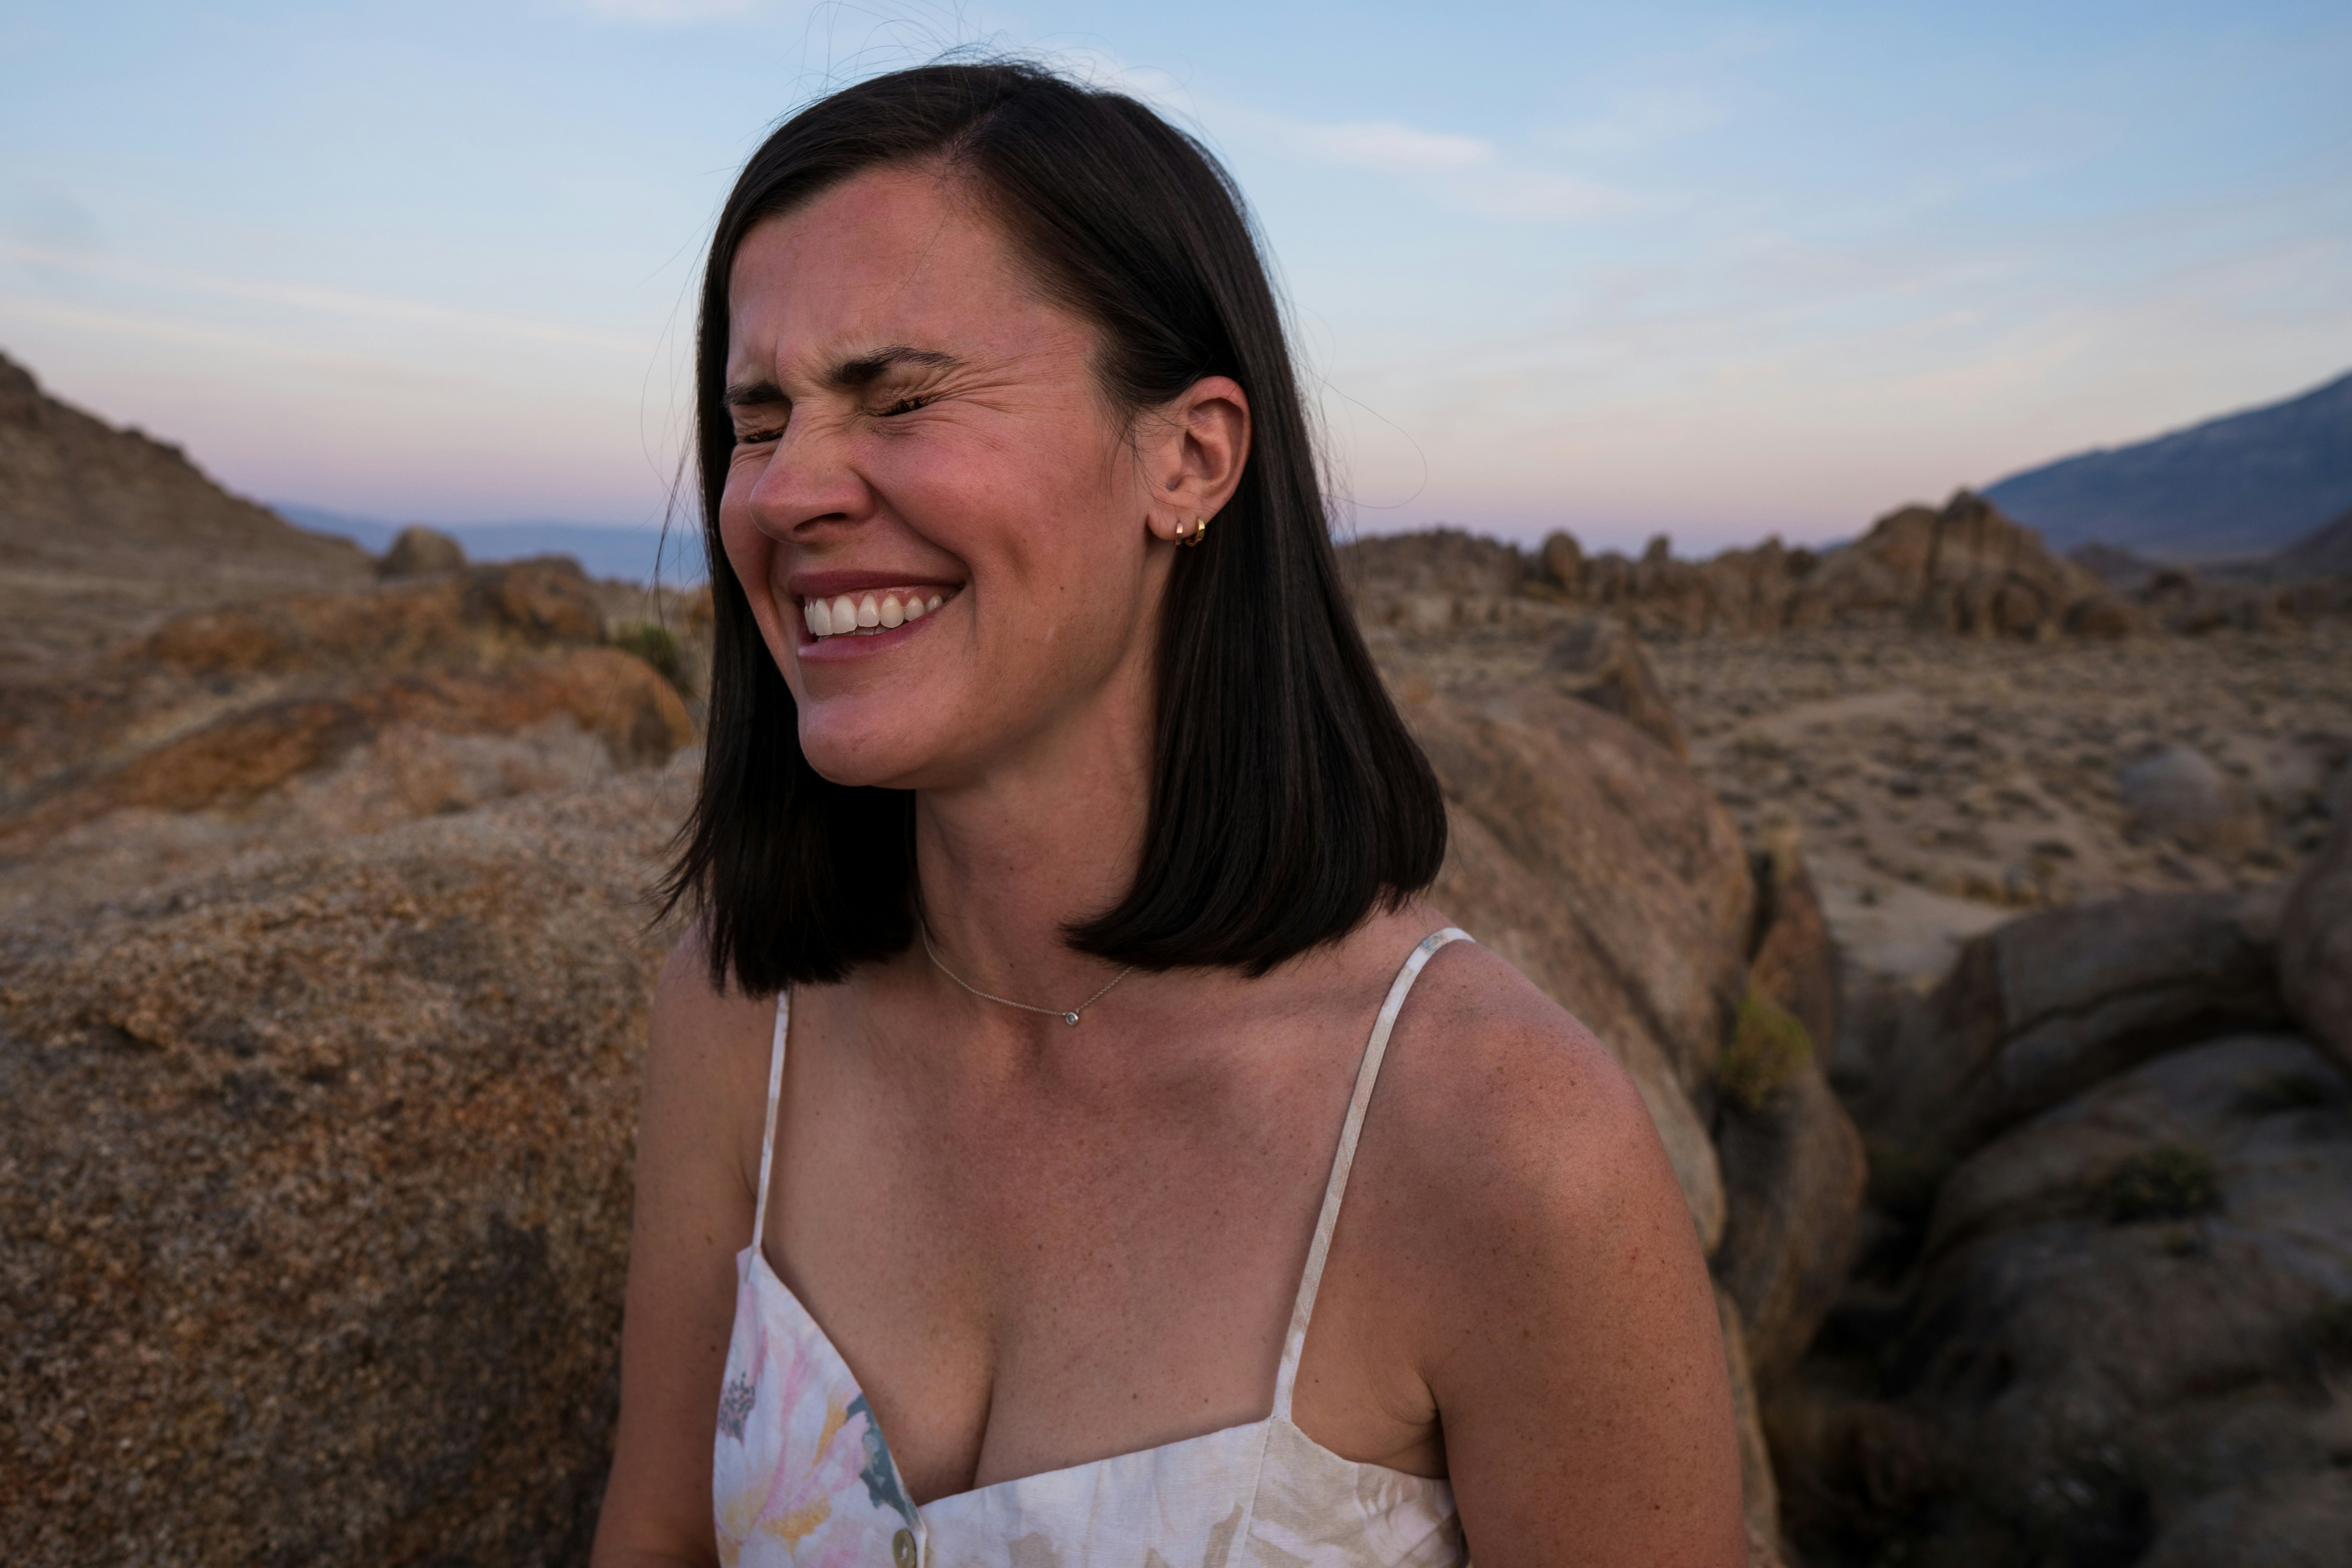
(2172, 1181)
(1769, 1047)
(655, 647)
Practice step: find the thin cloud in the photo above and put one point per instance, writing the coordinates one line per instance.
(1465, 171)
(331, 302)
(1384, 145)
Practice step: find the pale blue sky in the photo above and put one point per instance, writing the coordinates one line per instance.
(1716, 270)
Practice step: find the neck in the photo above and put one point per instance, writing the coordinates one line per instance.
(1042, 841)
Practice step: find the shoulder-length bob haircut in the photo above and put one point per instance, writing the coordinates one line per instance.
(1287, 800)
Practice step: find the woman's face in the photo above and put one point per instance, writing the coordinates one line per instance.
(939, 525)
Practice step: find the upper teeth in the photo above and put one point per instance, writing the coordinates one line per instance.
(870, 612)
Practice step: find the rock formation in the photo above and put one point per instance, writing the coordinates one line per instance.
(1792, 1163)
(1963, 569)
(1600, 661)
(2107, 1317)
(421, 552)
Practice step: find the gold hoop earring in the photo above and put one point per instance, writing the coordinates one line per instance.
(1200, 532)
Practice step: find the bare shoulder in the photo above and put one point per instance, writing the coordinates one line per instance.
(1496, 1095)
(706, 1051)
(1547, 1281)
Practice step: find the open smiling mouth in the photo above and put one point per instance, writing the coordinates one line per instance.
(855, 614)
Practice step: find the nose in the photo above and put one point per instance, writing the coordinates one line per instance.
(810, 481)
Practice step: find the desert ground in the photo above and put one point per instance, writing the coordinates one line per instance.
(1942, 785)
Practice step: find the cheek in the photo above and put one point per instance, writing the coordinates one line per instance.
(750, 555)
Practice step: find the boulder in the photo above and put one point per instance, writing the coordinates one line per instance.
(316, 1204)
(1794, 1175)
(2178, 793)
(2134, 1317)
(1793, 1168)
(1599, 661)
(1563, 562)
(2315, 947)
(421, 552)
(1638, 854)
(2107, 618)
(1760, 1493)
(2044, 1007)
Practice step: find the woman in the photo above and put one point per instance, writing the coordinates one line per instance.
(1057, 853)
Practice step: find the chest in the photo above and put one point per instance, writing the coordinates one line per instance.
(1036, 1268)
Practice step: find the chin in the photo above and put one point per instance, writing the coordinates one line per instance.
(888, 756)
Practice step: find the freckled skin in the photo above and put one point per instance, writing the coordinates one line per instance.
(1037, 1245)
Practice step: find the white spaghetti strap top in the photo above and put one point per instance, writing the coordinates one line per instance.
(800, 1474)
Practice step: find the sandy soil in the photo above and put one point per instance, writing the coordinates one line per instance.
(1940, 785)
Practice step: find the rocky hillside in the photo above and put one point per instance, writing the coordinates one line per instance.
(104, 532)
(2245, 485)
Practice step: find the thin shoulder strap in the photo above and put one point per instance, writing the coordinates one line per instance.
(1302, 1312)
(768, 1133)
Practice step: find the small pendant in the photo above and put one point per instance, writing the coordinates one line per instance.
(1071, 1019)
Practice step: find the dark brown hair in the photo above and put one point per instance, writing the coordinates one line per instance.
(1287, 800)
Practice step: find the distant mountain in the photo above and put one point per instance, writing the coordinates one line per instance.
(629, 553)
(2243, 485)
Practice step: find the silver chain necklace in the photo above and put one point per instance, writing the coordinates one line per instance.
(1069, 1016)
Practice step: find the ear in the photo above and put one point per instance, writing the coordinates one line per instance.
(1193, 450)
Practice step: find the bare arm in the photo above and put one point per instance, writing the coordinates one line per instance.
(705, 1073)
(1575, 1359)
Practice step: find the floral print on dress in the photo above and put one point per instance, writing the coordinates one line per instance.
(800, 1475)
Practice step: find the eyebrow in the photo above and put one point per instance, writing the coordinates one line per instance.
(862, 370)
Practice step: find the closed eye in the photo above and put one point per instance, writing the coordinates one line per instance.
(903, 406)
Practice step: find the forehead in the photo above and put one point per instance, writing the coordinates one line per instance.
(888, 256)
